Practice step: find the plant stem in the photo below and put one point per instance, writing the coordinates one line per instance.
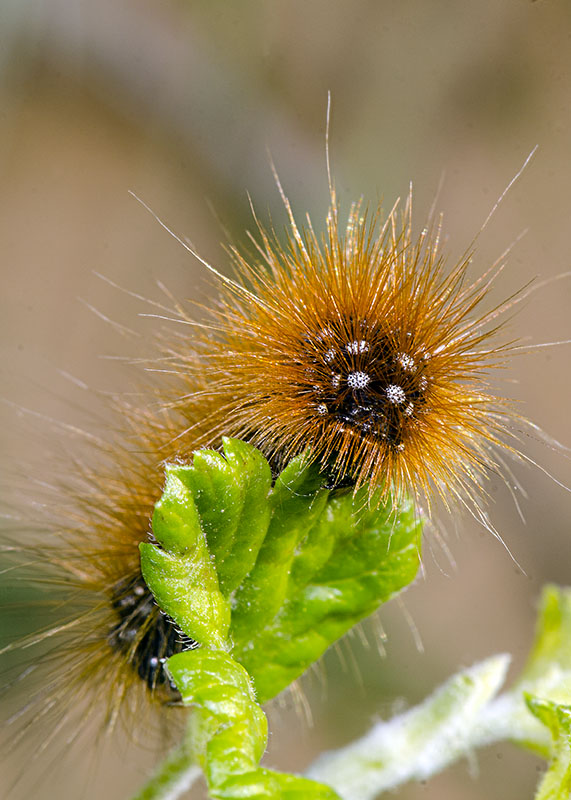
(420, 742)
(173, 777)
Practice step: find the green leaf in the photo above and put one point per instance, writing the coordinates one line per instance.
(547, 674)
(556, 783)
(274, 575)
(181, 574)
(228, 731)
(283, 571)
(188, 588)
(210, 521)
(349, 560)
(550, 655)
(230, 493)
(296, 503)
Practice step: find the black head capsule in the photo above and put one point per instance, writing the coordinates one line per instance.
(364, 378)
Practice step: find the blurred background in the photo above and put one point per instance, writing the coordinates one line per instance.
(181, 103)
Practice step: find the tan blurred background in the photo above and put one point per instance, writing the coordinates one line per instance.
(180, 102)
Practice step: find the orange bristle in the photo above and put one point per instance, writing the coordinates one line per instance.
(103, 659)
(361, 347)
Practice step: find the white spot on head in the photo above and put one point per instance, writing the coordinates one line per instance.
(408, 410)
(322, 409)
(406, 362)
(395, 394)
(329, 355)
(325, 333)
(357, 347)
(358, 380)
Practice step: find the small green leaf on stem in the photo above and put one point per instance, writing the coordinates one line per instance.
(556, 783)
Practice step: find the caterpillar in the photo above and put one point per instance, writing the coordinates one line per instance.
(358, 347)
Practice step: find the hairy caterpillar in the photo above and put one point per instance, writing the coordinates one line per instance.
(360, 346)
